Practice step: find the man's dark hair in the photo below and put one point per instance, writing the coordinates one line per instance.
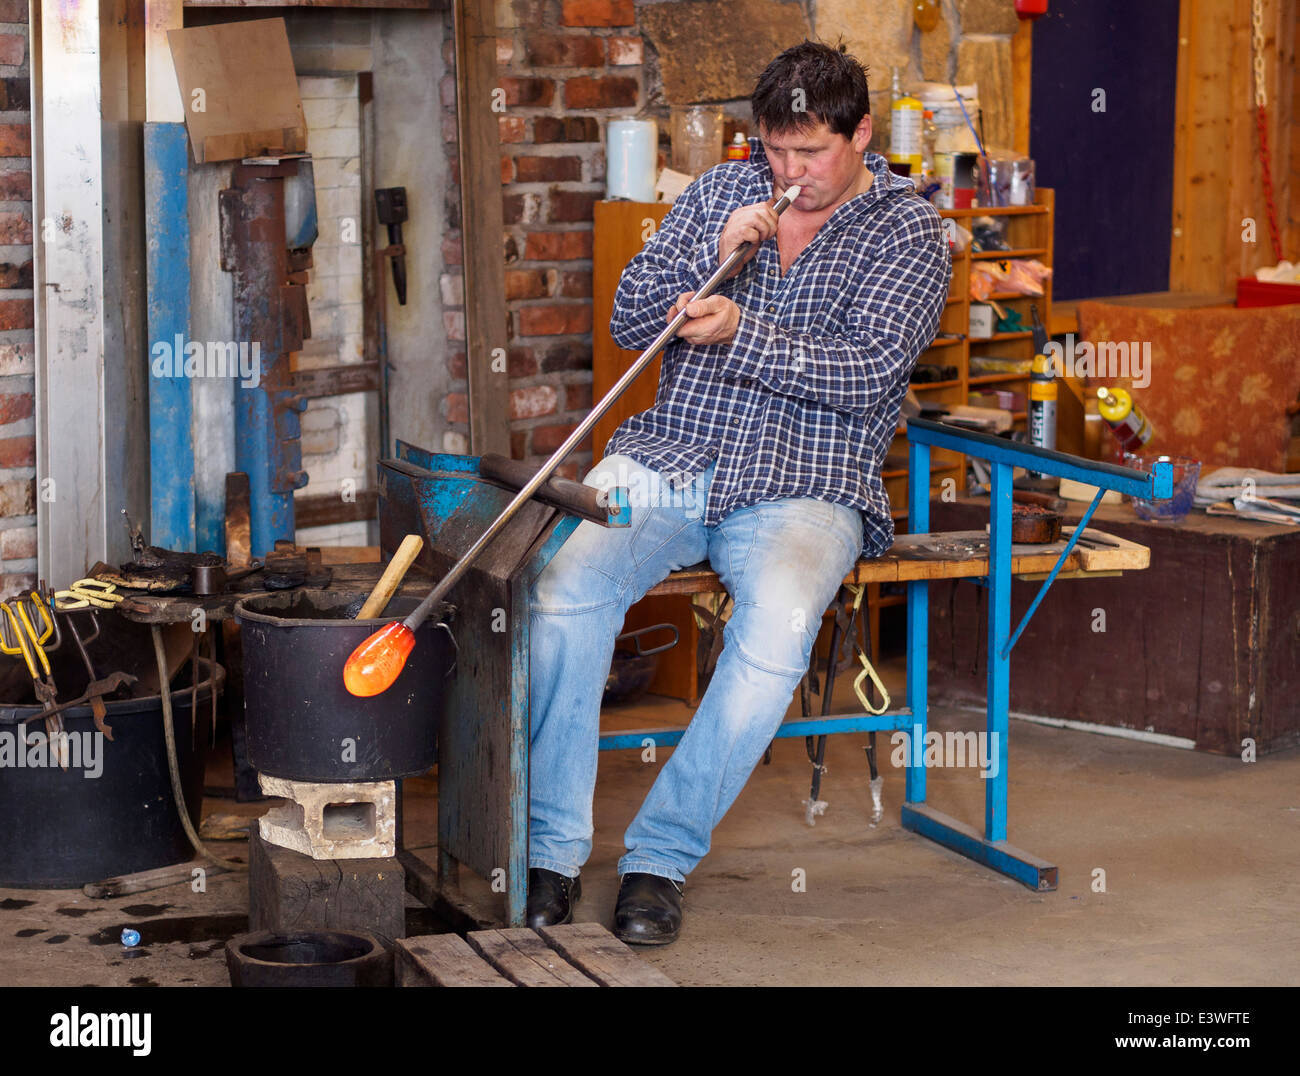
(833, 85)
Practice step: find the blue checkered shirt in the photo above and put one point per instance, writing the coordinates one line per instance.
(803, 401)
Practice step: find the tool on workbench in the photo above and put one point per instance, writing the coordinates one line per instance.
(392, 577)
(378, 661)
(85, 593)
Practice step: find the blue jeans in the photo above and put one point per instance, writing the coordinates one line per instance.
(781, 561)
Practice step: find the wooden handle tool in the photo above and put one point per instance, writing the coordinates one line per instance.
(402, 560)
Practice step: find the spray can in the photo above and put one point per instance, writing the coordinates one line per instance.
(1042, 392)
(906, 128)
(1125, 419)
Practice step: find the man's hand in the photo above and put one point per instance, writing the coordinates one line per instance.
(750, 223)
(712, 320)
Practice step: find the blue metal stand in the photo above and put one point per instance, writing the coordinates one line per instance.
(990, 848)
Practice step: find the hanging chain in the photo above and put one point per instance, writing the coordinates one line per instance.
(1257, 45)
(1261, 121)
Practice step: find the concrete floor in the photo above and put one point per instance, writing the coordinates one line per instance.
(1201, 856)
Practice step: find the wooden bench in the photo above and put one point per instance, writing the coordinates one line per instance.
(576, 954)
(953, 555)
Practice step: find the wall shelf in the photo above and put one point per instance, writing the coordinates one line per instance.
(1029, 232)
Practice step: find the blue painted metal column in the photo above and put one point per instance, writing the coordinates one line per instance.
(167, 257)
(918, 621)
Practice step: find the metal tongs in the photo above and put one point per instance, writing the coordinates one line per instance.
(20, 634)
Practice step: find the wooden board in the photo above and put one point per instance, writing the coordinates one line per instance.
(602, 956)
(442, 960)
(947, 555)
(242, 116)
(1217, 179)
(523, 958)
(1123, 555)
(482, 223)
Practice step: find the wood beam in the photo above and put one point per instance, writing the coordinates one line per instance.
(1022, 55)
(482, 224)
(420, 5)
(321, 509)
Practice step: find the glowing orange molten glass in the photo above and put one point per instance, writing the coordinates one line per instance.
(378, 661)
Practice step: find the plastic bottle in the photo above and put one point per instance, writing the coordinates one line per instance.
(739, 148)
(906, 124)
(1125, 419)
(929, 133)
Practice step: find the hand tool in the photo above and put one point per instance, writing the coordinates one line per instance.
(388, 582)
(378, 661)
(18, 634)
(97, 708)
(85, 593)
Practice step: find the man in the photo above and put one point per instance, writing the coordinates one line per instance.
(762, 454)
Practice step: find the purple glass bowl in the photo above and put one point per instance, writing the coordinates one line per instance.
(1187, 473)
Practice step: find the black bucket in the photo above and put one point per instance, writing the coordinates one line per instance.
(302, 723)
(308, 958)
(64, 828)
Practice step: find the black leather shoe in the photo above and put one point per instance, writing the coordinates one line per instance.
(649, 909)
(551, 897)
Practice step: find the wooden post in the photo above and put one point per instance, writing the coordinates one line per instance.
(482, 225)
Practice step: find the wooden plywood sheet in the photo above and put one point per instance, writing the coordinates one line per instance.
(239, 89)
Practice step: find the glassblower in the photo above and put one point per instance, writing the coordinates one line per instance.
(379, 660)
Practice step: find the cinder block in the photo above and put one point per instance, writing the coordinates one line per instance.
(337, 820)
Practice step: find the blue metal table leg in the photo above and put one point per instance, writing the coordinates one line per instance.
(999, 661)
(918, 622)
(990, 848)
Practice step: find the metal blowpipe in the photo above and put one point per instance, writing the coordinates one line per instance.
(422, 611)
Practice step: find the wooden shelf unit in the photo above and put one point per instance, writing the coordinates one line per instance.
(1029, 231)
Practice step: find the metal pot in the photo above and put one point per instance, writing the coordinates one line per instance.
(302, 723)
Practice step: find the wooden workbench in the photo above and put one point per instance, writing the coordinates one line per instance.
(1204, 646)
(948, 555)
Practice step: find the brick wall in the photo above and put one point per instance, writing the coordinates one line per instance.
(339, 436)
(566, 66)
(17, 363)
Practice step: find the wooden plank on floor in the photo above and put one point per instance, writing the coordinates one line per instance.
(597, 952)
(525, 959)
(144, 881)
(443, 960)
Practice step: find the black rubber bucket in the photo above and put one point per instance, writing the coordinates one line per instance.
(308, 958)
(112, 811)
(301, 722)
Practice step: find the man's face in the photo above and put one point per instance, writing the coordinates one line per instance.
(827, 166)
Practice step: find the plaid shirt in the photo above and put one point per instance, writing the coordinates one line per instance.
(803, 401)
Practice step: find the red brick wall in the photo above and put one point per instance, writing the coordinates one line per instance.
(17, 363)
(566, 66)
